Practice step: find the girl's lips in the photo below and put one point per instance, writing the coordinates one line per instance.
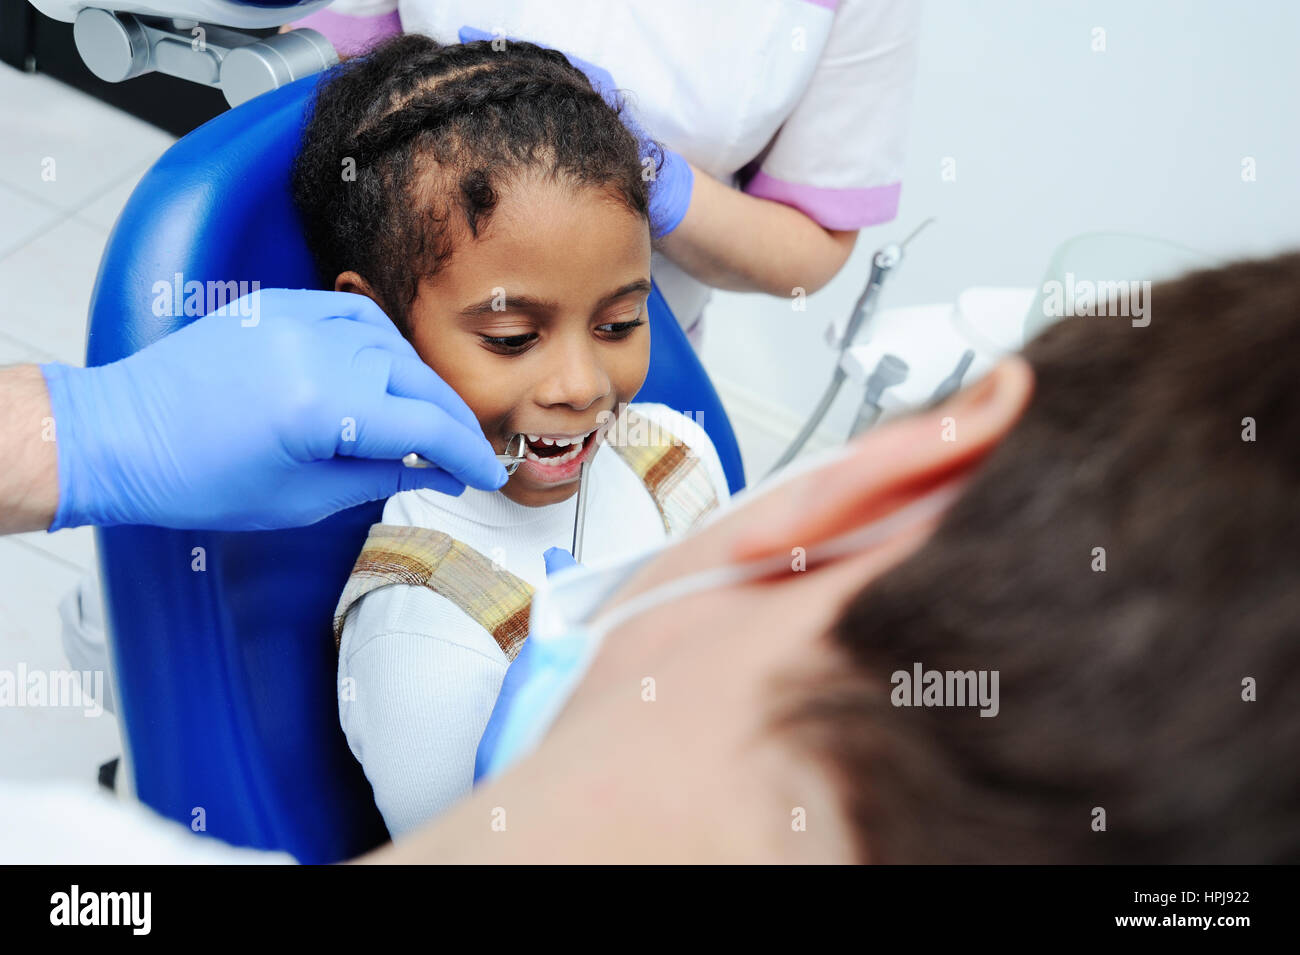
(539, 472)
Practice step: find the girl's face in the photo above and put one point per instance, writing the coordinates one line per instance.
(540, 325)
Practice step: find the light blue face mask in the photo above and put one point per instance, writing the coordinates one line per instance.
(567, 626)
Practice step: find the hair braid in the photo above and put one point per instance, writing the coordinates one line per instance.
(463, 95)
(463, 118)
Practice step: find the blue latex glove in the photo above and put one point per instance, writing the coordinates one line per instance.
(518, 673)
(671, 184)
(234, 423)
(557, 559)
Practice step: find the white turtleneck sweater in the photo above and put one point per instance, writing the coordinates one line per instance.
(426, 676)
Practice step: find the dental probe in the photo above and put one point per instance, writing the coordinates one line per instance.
(511, 461)
(580, 520)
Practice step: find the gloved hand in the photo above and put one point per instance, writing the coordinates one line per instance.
(672, 181)
(557, 559)
(278, 420)
(517, 674)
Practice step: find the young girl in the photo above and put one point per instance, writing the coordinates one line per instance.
(494, 205)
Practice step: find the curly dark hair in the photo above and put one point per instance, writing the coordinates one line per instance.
(401, 140)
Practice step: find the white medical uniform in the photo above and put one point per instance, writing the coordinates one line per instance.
(803, 102)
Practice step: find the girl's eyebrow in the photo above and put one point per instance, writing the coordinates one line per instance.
(640, 285)
(526, 303)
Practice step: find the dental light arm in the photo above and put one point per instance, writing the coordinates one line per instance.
(194, 40)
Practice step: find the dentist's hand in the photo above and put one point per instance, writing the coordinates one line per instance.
(294, 405)
(672, 180)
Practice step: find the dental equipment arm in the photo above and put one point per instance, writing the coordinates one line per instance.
(883, 264)
(193, 40)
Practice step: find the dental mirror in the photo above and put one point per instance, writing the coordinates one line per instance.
(511, 461)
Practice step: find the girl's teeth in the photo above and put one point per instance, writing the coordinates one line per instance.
(558, 459)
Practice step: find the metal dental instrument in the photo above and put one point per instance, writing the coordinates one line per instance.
(511, 461)
(883, 263)
(889, 371)
(580, 519)
(953, 381)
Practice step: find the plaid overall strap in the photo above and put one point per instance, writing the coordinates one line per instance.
(675, 476)
(491, 596)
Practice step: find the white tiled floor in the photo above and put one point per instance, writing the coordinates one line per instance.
(67, 165)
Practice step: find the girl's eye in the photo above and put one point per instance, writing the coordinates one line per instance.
(510, 343)
(617, 330)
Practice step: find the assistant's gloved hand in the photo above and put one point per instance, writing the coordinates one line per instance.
(672, 180)
(557, 559)
(300, 408)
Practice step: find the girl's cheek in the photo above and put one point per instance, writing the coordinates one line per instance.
(631, 374)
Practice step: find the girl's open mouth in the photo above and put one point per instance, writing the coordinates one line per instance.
(557, 460)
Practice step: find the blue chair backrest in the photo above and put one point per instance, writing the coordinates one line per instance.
(224, 662)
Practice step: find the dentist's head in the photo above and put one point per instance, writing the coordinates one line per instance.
(1085, 658)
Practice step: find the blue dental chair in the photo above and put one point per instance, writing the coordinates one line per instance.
(226, 675)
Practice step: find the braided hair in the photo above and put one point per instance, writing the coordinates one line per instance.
(404, 140)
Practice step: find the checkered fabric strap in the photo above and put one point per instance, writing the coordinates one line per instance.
(675, 476)
(490, 595)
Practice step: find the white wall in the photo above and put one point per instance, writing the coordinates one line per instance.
(1050, 140)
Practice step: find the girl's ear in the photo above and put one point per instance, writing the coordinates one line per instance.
(894, 464)
(352, 282)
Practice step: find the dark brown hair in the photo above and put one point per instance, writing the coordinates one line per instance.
(1120, 689)
(471, 115)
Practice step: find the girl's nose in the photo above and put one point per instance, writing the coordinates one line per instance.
(574, 377)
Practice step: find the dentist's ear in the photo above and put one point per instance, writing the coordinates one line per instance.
(891, 465)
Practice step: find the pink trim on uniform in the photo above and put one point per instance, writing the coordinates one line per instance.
(828, 4)
(352, 35)
(831, 208)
